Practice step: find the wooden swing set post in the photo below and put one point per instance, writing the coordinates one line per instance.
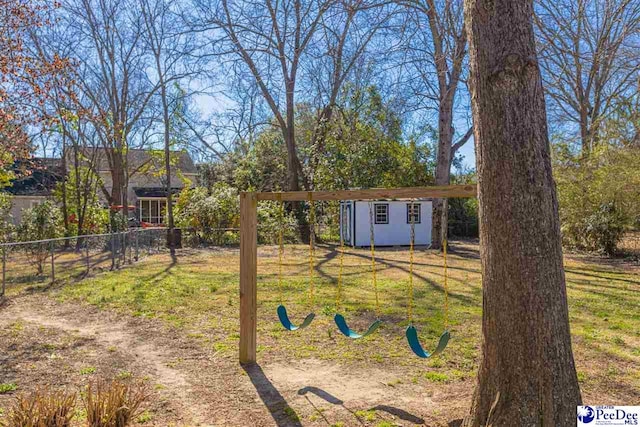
(249, 240)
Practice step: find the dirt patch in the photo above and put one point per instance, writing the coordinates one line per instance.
(67, 345)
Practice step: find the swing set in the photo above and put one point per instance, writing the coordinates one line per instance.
(248, 263)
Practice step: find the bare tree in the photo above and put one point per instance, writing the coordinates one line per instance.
(112, 77)
(527, 375)
(435, 58)
(346, 37)
(270, 40)
(169, 47)
(590, 57)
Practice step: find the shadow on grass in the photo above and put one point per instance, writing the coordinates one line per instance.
(328, 397)
(400, 413)
(321, 394)
(395, 264)
(590, 273)
(280, 411)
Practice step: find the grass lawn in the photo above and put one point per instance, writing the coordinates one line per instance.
(199, 295)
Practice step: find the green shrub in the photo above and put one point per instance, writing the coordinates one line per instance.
(213, 215)
(6, 224)
(41, 222)
(270, 221)
(210, 214)
(599, 195)
(604, 229)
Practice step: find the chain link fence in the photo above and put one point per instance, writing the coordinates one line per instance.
(45, 261)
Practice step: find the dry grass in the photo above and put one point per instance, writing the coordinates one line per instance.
(114, 404)
(42, 408)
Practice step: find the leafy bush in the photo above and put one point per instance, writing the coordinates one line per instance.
(42, 408)
(41, 222)
(114, 404)
(463, 217)
(600, 231)
(214, 216)
(210, 214)
(6, 224)
(599, 196)
(86, 215)
(269, 222)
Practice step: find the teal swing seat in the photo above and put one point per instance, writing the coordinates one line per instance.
(414, 343)
(349, 333)
(284, 319)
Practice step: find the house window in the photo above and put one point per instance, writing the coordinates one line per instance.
(381, 213)
(152, 211)
(413, 215)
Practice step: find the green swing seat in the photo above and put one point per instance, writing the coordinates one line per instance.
(284, 319)
(349, 333)
(416, 347)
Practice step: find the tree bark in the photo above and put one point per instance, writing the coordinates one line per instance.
(439, 221)
(527, 374)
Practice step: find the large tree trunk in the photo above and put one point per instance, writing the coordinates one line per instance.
(527, 375)
(439, 221)
(290, 139)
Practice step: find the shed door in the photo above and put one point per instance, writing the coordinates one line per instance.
(346, 222)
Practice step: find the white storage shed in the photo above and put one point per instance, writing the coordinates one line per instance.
(392, 222)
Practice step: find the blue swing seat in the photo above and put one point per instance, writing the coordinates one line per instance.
(347, 332)
(414, 343)
(284, 319)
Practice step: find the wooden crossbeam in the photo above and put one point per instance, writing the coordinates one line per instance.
(439, 192)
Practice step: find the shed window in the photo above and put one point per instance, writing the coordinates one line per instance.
(413, 215)
(381, 213)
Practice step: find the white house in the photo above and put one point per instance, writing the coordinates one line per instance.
(392, 222)
(34, 187)
(146, 188)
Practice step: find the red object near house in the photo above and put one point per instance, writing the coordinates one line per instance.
(150, 225)
(121, 207)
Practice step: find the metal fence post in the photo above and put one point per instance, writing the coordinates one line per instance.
(137, 247)
(113, 251)
(86, 252)
(123, 249)
(53, 265)
(4, 270)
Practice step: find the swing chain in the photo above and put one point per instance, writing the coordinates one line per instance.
(446, 287)
(339, 294)
(446, 275)
(373, 257)
(412, 239)
(312, 220)
(280, 247)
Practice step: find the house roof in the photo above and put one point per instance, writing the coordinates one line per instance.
(154, 191)
(36, 177)
(139, 159)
